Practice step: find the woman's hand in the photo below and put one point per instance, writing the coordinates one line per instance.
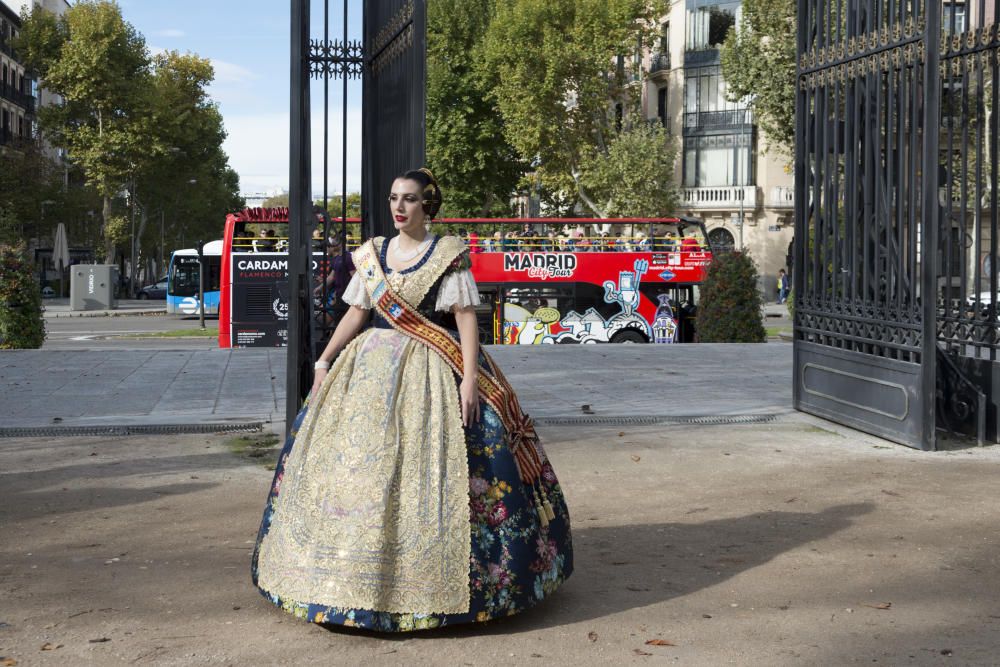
(320, 375)
(469, 396)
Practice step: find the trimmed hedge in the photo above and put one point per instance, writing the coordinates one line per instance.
(730, 308)
(21, 323)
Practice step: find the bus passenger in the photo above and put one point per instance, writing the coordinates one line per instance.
(336, 281)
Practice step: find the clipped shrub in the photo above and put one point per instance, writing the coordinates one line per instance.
(21, 323)
(729, 310)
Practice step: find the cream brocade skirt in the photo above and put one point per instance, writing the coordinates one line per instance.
(373, 509)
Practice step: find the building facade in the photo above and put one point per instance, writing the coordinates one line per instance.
(17, 89)
(725, 174)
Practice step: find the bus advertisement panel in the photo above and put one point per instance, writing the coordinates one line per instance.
(588, 297)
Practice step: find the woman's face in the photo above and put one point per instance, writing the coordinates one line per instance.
(406, 205)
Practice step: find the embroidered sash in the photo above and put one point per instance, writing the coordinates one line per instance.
(493, 386)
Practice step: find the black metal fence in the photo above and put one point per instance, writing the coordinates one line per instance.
(896, 224)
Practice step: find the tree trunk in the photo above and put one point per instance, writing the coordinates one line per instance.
(109, 246)
(585, 197)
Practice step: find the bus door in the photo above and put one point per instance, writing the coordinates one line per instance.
(532, 313)
(486, 314)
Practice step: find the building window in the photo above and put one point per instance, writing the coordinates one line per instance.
(665, 38)
(953, 17)
(718, 160)
(708, 25)
(721, 240)
(661, 106)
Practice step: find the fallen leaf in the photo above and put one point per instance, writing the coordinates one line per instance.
(639, 651)
(880, 605)
(659, 642)
(7, 662)
(636, 458)
(592, 636)
(100, 640)
(621, 434)
(49, 646)
(792, 499)
(889, 493)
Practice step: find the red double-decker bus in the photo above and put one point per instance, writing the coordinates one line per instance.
(541, 280)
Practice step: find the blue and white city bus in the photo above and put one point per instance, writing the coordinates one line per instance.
(182, 280)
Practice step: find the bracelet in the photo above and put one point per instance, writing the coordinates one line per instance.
(321, 365)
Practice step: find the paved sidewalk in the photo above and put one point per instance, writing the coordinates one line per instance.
(60, 308)
(134, 387)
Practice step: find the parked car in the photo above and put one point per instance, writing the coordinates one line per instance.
(157, 291)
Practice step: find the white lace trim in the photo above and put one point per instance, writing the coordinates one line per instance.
(356, 294)
(457, 289)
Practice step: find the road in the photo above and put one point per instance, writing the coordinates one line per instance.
(101, 333)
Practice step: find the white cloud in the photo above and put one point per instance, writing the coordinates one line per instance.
(258, 148)
(171, 32)
(227, 73)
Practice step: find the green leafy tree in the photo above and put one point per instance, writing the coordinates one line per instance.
(30, 188)
(635, 176)
(99, 64)
(758, 62)
(477, 166)
(189, 183)
(566, 83)
(21, 323)
(277, 201)
(729, 310)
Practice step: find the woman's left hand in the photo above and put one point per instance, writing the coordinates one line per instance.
(469, 395)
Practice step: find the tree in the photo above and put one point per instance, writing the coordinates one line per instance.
(477, 166)
(98, 63)
(758, 62)
(563, 86)
(277, 201)
(190, 182)
(21, 322)
(635, 175)
(730, 307)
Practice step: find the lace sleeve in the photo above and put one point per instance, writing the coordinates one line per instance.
(356, 294)
(458, 288)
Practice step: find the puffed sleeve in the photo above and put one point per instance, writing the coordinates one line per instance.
(458, 288)
(356, 294)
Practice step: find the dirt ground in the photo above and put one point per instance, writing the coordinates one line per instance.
(767, 544)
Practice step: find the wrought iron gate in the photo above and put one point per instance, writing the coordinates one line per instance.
(896, 223)
(390, 59)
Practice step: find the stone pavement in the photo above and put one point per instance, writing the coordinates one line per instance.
(139, 387)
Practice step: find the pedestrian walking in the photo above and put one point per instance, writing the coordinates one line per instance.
(782, 286)
(413, 492)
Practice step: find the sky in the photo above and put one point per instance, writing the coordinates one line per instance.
(248, 44)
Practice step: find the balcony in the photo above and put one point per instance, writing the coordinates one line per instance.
(721, 197)
(23, 100)
(711, 120)
(701, 56)
(782, 196)
(659, 67)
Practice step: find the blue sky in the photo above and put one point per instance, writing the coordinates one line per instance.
(247, 42)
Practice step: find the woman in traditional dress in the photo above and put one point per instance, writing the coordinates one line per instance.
(413, 492)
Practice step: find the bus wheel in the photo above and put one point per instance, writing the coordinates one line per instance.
(628, 337)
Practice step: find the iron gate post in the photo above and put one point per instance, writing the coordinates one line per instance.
(931, 218)
(299, 210)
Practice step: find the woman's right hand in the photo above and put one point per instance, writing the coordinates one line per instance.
(320, 375)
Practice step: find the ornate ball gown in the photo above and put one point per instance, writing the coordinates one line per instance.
(386, 513)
